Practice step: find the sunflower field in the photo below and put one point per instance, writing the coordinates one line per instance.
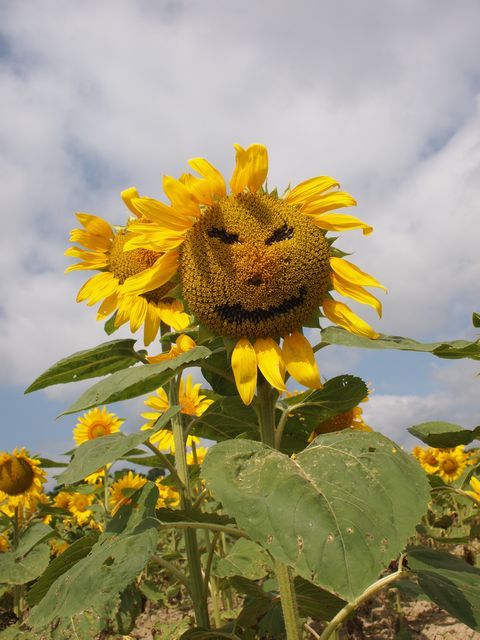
(240, 509)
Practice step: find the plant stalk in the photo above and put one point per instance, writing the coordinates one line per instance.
(266, 397)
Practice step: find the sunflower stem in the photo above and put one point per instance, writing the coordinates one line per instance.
(199, 596)
(266, 398)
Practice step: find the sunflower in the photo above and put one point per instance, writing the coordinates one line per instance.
(79, 505)
(428, 458)
(182, 344)
(62, 500)
(192, 403)
(95, 423)
(167, 496)
(197, 456)
(352, 419)
(104, 253)
(128, 482)
(58, 546)
(21, 481)
(452, 463)
(97, 477)
(475, 484)
(254, 267)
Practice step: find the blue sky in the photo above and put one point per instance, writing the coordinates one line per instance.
(383, 95)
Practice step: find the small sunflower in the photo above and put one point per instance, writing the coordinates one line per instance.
(192, 403)
(428, 458)
(253, 266)
(104, 253)
(97, 477)
(79, 505)
(94, 424)
(167, 496)
(452, 463)
(61, 500)
(197, 456)
(58, 546)
(129, 481)
(21, 481)
(182, 344)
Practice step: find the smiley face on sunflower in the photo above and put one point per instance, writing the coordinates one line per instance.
(252, 266)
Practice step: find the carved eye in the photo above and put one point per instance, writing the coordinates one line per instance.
(224, 236)
(282, 233)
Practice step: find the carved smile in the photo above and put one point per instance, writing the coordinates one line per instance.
(236, 313)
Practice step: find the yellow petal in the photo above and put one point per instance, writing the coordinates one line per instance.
(475, 484)
(310, 188)
(328, 202)
(300, 360)
(95, 225)
(180, 197)
(152, 324)
(270, 362)
(172, 313)
(251, 168)
(138, 313)
(128, 197)
(351, 273)
(340, 222)
(340, 314)
(199, 188)
(161, 272)
(108, 306)
(99, 286)
(244, 366)
(158, 241)
(185, 343)
(356, 292)
(92, 241)
(212, 176)
(167, 217)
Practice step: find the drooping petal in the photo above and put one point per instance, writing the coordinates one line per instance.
(92, 241)
(138, 313)
(95, 225)
(244, 366)
(270, 362)
(340, 222)
(328, 202)
(172, 313)
(97, 287)
(152, 324)
(108, 306)
(310, 188)
(128, 197)
(199, 188)
(161, 272)
(213, 176)
(180, 197)
(350, 272)
(356, 292)
(251, 168)
(149, 237)
(339, 313)
(300, 360)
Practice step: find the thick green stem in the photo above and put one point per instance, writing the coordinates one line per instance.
(199, 596)
(266, 397)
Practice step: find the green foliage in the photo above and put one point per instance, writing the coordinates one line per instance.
(225, 419)
(91, 363)
(219, 383)
(476, 320)
(30, 558)
(450, 582)
(92, 455)
(246, 559)
(444, 434)
(451, 349)
(136, 381)
(110, 567)
(338, 512)
(75, 552)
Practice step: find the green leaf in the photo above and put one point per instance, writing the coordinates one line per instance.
(92, 363)
(476, 320)
(32, 536)
(136, 381)
(20, 569)
(46, 463)
(75, 552)
(225, 419)
(109, 326)
(218, 382)
(450, 582)
(444, 434)
(112, 564)
(316, 602)
(95, 454)
(338, 513)
(130, 607)
(450, 349)
(246, 559)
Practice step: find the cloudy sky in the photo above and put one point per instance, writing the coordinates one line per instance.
(382, 94)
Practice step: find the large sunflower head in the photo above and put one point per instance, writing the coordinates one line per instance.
(253, 266)
(94, 424)
(104, 253)
(21, 479)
